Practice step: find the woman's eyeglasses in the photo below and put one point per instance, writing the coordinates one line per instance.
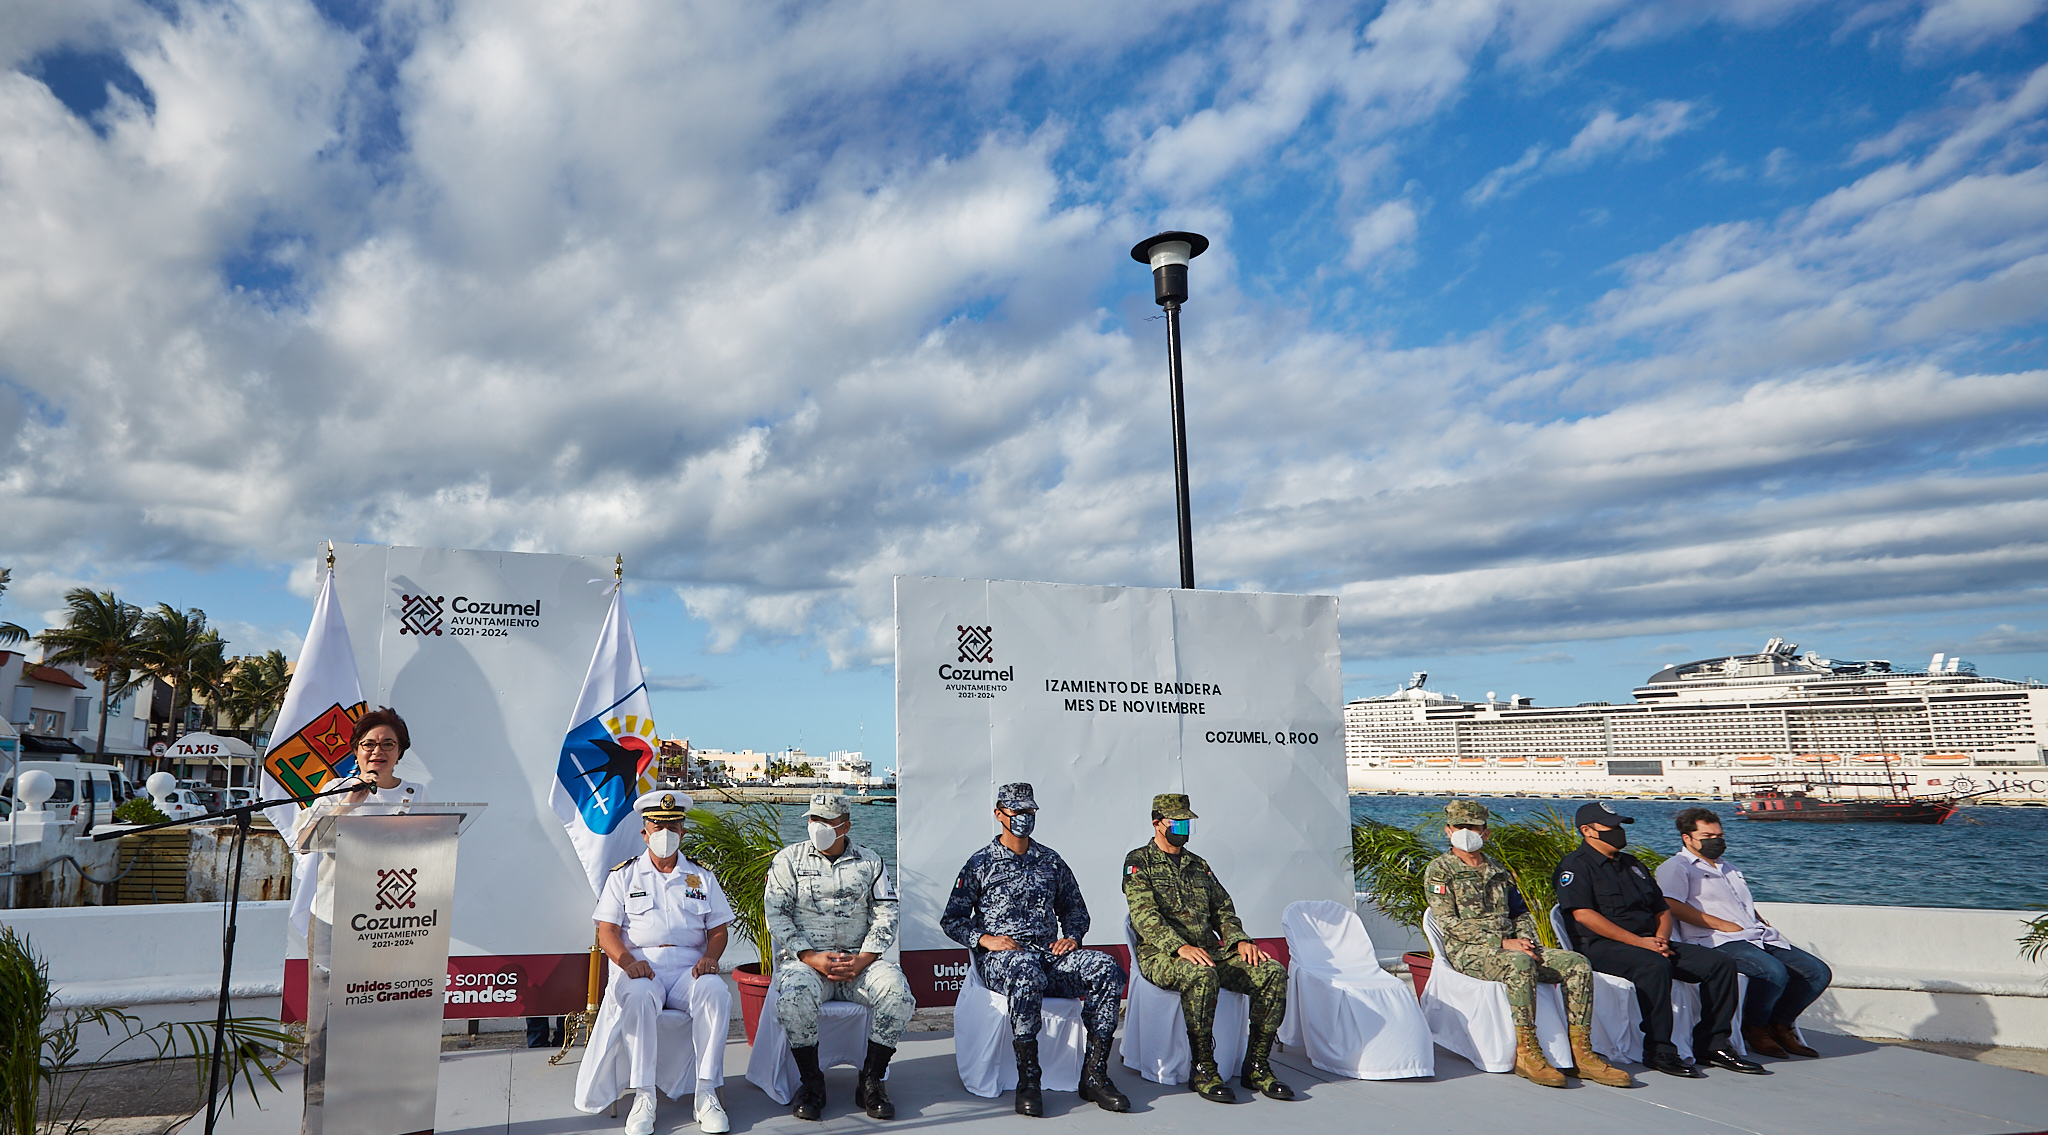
(377, 746)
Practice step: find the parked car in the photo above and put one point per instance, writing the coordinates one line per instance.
(80, 788)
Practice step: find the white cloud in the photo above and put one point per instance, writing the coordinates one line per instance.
(1634, 136)
(1381, 232)
(1951, 25)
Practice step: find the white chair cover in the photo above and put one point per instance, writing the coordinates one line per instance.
(981, 1040)
(1472, 1017)
(1155, 1043)
(1350, 1016)
(601, 1077)
(842, 1039)
(1618, 1021)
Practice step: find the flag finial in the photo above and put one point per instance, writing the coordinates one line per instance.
(619, 569)
(330, 555)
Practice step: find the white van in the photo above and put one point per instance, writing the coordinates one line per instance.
(80, 788)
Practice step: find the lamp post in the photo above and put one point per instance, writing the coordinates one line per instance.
(1168, 253)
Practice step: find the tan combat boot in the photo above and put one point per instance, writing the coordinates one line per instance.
(1589, 1064)
(1530, 1063)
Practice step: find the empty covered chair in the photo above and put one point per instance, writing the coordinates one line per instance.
(981, 1040)
(1155, 1043)
(1349, 1016)
(1472, 1017)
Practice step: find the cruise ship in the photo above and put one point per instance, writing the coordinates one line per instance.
(1944, 730)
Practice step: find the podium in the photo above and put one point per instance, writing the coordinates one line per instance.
(378, 961)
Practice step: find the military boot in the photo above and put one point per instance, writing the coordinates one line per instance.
(1096, 1087)
(1588, 1064)
(1530, 1063)
(810, 1092)
(1257, 1073)
(1203, 1079)
(1030, 1100)
(868, 1091)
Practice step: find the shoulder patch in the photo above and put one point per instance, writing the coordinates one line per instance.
(1437, 889)
(1564, 878)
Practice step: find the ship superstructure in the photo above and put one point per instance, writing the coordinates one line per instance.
(1694, 725)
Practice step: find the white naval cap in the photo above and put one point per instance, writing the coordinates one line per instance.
(663, 804)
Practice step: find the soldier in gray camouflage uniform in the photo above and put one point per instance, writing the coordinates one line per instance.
(1190, 942)
(1018, 907)
(1489, 933)
(832, 913)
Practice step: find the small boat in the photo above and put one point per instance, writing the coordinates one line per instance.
(1471, 762)
(1945, 759)
(1877, 758)
(1830, 797)
(1550, 762)
(1513, 762)
(1401, 762)
(1752, 760)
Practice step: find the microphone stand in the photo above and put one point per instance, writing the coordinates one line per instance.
(240, 814)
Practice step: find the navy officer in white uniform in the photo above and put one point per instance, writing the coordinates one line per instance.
(662, 921)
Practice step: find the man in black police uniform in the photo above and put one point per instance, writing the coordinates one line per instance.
(1618, 919)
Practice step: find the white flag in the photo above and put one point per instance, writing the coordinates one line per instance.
(608, 753)
(316, 726)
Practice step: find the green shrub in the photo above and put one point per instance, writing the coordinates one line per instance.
(139, 810)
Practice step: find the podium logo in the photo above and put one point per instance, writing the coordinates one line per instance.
(397, 889)
(977, 644)
(420, 615)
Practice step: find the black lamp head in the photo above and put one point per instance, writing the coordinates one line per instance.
(1168, 253)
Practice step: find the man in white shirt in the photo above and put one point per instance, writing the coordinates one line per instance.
(662, 921)
(1711, 900)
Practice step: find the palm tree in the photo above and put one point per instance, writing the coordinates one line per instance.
(177, 647)
(10, 632)
(256, 689)
(103, 634)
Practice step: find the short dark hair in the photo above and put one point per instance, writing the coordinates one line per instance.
(382, 715)
(1694, 817)
(1157, 815)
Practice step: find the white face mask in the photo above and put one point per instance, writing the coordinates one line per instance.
(664, 843)
(822, 835)
(1465, 840)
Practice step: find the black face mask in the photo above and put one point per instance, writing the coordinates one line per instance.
(1616, 839)
(1177, 839)
(1713, 846)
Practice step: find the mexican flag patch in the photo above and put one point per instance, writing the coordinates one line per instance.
(1438, 888)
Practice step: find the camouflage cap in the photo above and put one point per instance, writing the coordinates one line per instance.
(1016, 797)
(1173, 806)
(662, 805)
(827, 805)
(1465, 812)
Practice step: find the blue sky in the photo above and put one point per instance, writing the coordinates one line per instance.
(1560, 339)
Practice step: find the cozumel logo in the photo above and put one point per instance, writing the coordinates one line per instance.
(977, 644)
(396, 889)
(420, 614)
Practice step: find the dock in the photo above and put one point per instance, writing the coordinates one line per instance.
(1872, 1089)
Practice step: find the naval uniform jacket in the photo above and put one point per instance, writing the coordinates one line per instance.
(654, 908)
(1618, 887)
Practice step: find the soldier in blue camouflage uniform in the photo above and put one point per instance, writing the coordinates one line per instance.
(1190, 942)
(1490, 933)
(1018, 908)
(833, 913)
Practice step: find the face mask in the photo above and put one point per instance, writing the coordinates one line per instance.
(663, 842)
(822, 836)
(1713, 846)
(1178, 832)
(1465, 840)
(1022, 824)
(1617, 839)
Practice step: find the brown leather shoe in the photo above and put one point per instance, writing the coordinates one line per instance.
(1788, 1039)
(1530, 1063)
(1588, 1064)
(1762, 1041)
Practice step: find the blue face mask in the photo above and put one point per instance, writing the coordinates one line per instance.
(1022, 823)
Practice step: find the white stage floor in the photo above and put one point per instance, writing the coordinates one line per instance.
(1856, 1086)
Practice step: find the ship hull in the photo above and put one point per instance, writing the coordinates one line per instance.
(1995, 787)
(1847, 811)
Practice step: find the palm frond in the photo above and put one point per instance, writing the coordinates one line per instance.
(739, 844)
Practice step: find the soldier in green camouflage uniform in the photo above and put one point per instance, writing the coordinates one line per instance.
(1190, 942)
(1490, 933)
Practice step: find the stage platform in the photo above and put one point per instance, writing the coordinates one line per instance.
(1856, 1086)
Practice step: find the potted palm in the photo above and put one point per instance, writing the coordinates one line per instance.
(738, 844)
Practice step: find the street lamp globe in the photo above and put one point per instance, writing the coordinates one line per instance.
(1168, 253)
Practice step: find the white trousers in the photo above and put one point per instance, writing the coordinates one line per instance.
(623, 1043)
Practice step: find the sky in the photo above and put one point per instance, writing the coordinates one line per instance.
(1559, 339)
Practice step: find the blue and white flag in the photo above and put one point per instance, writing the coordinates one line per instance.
(608, 754)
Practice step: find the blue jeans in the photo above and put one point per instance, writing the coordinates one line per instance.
(1782, 983)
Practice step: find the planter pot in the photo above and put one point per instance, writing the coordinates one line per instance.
(1418, 969)
(753, 994)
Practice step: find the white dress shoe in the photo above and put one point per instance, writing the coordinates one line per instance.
(711, 1114)
(640, 1121)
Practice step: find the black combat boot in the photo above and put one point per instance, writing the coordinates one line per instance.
(1095, 1083)
(810, 1091)
(1030, 1100)
(1203, 1079)
(869, 1092)
(1258, 1071)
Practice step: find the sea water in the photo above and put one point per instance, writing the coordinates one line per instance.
(1984, 857)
